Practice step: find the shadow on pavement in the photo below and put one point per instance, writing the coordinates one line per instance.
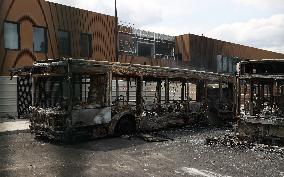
(116, 143)
(5, 161)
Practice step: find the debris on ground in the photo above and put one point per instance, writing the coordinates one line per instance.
(187, 155)
(154, 137)
(227, 140)
(235, 141)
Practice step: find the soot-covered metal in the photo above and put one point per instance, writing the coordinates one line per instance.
(262, 100)
(78, 97)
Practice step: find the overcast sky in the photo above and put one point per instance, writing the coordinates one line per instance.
(257, 23)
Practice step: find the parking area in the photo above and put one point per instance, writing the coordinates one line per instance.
(185, 155)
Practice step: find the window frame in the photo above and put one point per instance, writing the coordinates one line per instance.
(90, 39)
(19, 35)
(146, 44)
(69, 43)
(45, 39)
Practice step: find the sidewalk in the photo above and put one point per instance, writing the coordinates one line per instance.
(15, 125)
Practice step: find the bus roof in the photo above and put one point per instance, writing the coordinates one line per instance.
(118, 69)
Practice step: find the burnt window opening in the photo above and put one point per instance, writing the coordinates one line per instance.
(149, 92)
(265, 67)
(51, 92)
(260, 97)
(64, 43)
(215, 89)
(11, 36)
(156, 91)
(145, 50)
(124, 91)
(182, 91)
(190, 92)
(81, 86)
(175, 91)
(90, 90)
(86, 45)
(40, 39)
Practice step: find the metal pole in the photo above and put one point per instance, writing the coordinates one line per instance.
(116, 33)
(116, 50)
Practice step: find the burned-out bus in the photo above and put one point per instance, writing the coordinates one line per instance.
(82, 97)
(261, 100)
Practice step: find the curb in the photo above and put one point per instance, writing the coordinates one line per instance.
(14, 127)
(14, 132)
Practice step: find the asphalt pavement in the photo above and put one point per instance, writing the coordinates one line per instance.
(184, 154)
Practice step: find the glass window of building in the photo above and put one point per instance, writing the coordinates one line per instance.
(86, 45)
(64, 43)
(39, 39)
(145, 50)
(11, 36)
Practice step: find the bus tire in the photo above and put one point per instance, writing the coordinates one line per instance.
(125, 126)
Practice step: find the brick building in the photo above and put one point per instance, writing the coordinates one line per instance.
(33, 30)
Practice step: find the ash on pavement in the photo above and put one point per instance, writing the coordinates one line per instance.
(185, 155)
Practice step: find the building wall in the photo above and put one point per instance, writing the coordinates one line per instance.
(162, 52)
(192, 51)
(199, 52)
(54, 17)
(8, 95)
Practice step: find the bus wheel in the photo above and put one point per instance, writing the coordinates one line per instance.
(125, 126)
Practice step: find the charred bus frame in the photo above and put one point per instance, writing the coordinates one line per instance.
(261, 100)
(73, 97)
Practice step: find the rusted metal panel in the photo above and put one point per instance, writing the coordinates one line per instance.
(55, 17)
(199, 51)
